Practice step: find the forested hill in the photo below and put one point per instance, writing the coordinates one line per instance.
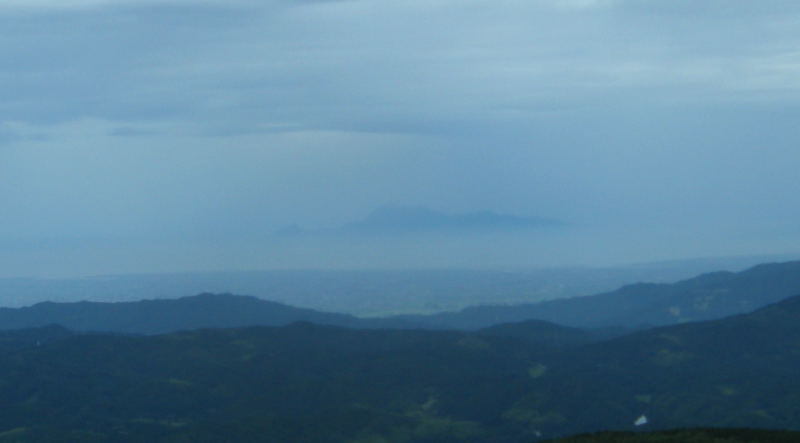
(314, 383)
(688, 436)
(230, 311)
(298, 383)
(706, 297)
(544, 333)
(737, 371)
(168, 315)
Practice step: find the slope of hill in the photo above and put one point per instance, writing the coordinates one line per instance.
(160, 316)
(301, 382)
(368, 292)
(15, 340)
(737, 371)
(542, 333)
(305, 382)
(688, 436)
(705, 297)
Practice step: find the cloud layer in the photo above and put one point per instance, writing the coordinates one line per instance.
(160, 122)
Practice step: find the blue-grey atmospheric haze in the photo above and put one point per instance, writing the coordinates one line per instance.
(178, 135)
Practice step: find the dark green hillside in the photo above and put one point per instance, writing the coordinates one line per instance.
(541, 333)
(706, 297)
(736, 372)
(688, 436)
(305, 382)
(161, 316)
(298, 383)
(27, 338)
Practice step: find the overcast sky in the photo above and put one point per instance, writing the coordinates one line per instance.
(153, 135)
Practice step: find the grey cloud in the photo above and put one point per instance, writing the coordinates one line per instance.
(157, 122)
(362, 66)
(130, 131)
(721, 9)
(89, 62)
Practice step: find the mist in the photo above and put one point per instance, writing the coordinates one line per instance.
(155, 136)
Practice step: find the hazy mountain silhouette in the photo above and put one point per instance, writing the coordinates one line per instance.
(708, 296)
(705, 297)
(402, 218)
(398, 220)
(167, 315)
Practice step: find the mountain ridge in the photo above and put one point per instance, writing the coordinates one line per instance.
(168, 315)
(704, 297)
(397, 220)
(307, 382)
(730, 372)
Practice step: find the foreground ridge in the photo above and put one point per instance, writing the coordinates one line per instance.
(314, 383)
(700, 435)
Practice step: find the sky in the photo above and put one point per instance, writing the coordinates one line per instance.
(160, 136)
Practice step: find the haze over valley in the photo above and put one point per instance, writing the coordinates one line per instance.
(652, 131)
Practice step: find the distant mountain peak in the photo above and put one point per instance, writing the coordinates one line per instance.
(421, 218)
